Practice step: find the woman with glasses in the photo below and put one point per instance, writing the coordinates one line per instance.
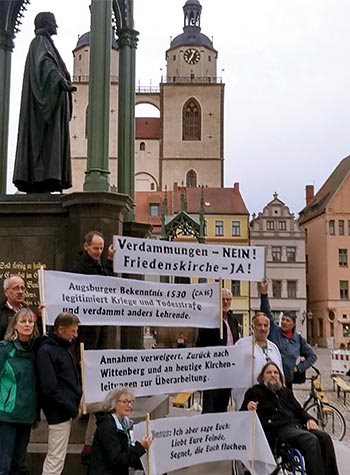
(114, 449)
(18, 396)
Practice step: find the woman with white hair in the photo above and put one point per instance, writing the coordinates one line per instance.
(113, 448)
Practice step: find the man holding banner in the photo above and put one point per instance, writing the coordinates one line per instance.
(93, 337)
(216, 400)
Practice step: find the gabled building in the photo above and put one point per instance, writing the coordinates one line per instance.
(326, 223)
(278, 231)
(226, 222)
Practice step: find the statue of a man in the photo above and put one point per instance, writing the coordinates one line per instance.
(43, 161)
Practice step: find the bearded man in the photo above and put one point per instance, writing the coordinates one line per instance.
(282, 417)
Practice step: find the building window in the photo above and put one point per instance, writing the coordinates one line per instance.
(174, 57)
(270, 225)
(331, 227)
(191, 120)
(276, 253)
(209, 58)
(142, 146)
(343, 257)
(154, 209)
(191, 179)
(236, 288)
(341, 227)
(80, 57)
(331, 328)
(291, 253)
(292, 289)
(349, 227)
(219, 228)
(152, 187)
(276, 289)
(282, 225)
(346, 329)
(236, 228)
(320, 327)
(344, 289)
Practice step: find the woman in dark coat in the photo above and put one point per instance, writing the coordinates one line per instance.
(113, 448)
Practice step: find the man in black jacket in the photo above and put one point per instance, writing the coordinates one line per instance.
(59, 388)
(216, 400)
(14, 290)
(282, 417)
(90, 263)
(94, 337)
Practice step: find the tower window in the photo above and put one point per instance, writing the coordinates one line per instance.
(142, 146)
(209, 59)
(174, 57)
(191, 179)
(191, 120)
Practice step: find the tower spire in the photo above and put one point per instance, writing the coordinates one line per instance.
(192, 14)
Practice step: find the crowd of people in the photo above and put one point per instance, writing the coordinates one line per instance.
(41, 374)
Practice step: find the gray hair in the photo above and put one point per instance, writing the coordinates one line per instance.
(226, 291)
(109, 404)
(6, 283)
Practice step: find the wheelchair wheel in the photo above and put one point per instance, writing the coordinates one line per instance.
(329, 419)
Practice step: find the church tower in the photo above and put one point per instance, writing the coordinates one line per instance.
(192, 108)
(185, 144)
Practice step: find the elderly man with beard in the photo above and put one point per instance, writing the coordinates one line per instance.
(282, 417)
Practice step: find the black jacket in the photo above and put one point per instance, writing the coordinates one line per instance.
(111, 453)
(89, 266)
(275, 410)
(5, 314)
(211, 336)
(59, 385)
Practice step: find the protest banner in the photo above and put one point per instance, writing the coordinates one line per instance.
(150, 256)
(101, 300)
(185, 441)
(161, 371)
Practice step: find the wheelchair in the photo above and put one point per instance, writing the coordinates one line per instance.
(289, 461)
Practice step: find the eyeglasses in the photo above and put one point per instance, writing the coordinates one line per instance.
(127, 401)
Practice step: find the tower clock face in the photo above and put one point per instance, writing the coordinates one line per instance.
(192, 56)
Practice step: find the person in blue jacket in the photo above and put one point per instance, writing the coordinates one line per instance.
(18, 395)
(297, 354)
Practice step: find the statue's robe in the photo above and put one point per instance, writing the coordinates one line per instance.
(43, 161)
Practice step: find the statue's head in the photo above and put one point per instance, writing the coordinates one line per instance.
(46, 21)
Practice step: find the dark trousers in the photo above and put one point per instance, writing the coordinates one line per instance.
(316, 447)
(216, 400)
(14, 439)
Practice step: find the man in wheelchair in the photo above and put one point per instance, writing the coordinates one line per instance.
(282, 417)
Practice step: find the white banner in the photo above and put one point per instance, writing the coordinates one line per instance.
(101, 300)
(184, 441)
(160, 371)
(150, 256)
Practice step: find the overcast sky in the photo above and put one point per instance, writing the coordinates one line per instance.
(287, 76)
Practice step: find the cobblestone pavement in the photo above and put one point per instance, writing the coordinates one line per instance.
(324, 365)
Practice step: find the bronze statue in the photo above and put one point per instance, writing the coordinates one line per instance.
(43, 161)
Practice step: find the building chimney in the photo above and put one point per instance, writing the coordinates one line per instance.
(309, 194)
(236, 187)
